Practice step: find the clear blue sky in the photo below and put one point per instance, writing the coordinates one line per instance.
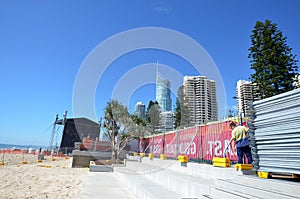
(44, 43)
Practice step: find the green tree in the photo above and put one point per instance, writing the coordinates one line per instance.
(272, 61)
(177, 114)
(118, 125)
(297, 81)
(138, 120)
(139, 127)
(181, 111)
(152, 116)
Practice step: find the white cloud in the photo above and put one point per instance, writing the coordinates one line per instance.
(161, 9)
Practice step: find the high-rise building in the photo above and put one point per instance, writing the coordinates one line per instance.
(200, 98)
(140, 110)
(163, 94)
(244, 96)
(166, 121)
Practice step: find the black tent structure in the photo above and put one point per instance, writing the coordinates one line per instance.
(75, 130)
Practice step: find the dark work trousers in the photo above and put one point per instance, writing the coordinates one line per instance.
(240, 153)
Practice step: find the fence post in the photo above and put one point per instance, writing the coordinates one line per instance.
(163, 143)
(152, 150)
(177, 144)
(200, 144)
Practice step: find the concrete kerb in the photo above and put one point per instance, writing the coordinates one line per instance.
(104, 168)
(101, 168)
(195, 169)
(133, 158)
(180, 183)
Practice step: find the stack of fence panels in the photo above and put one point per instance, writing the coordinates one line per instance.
(275, 130)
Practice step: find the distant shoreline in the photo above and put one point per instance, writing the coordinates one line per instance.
(17, 146)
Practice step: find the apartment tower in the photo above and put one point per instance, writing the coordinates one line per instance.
(244, 96)
(200, 99)
(140, 110)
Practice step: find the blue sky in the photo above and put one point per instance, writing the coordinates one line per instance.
(43, 44)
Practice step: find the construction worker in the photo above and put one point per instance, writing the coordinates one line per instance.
(242, 144)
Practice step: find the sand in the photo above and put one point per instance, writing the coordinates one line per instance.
(47, 179)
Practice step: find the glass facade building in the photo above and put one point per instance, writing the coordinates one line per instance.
(163, 94)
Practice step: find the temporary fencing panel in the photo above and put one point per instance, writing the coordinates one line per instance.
(158, 145)
(200, 143)
(215, 138)
(170, 145)
(189, 142)
(149, 148)
(144, 145)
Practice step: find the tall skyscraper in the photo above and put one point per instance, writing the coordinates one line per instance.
(200, 99)
(140, 110)
(163, 94)
(244, 96)
(163, 97)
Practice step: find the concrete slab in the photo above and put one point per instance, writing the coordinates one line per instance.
(101, 168)
(144, 188)
(83, 158)
(217, 193)
(195, 169)
(275, 187)
(253, 191)
(105, 185)
(133, 158)
(185, 185)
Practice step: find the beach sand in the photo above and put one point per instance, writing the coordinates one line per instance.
(47, 179)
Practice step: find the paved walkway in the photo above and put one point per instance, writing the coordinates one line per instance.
(105, 185)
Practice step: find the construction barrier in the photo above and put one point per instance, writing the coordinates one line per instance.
(275, 128)
(199, 143)
(25, 156)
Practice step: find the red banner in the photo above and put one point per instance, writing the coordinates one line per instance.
(189, 142)
(158, 146)
(198, 143)
(170, 145)
(213, 145)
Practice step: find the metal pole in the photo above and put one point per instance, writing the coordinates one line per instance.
(163, 143)
(152, 144)
(53, 132)
(177, 143)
